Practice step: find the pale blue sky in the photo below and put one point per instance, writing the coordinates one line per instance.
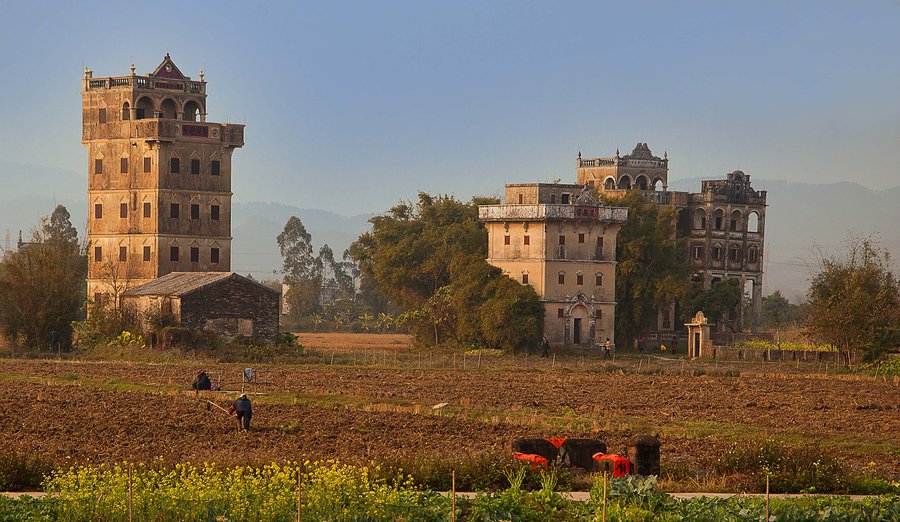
(351, 106)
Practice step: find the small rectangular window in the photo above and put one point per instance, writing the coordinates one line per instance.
(214, 212)
(123, 210)
(521, 198)
(560, 313)
(581, 238)
(505, 240)
(579, 279)
(173, 253)
(524, 279)
(98, 210)
(146, 210)
(195, 166)
(174, 210)
(561, 279)
(98, 254)
(146, 253)
(598, 280)
(123, 253)
(565, 199)
(598, 313)
(214, 168)
(123, 166)
(214, 255)
(98, 166)
(147, 164)
(526, 240)
(195, 211)
(101, 116)
(698, 252)
(562, 240)
(753, 256)
(195, 254)
(174, 166)
(552, 199)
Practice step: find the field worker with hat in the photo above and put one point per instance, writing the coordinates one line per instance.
(201, 382)
(244, 411)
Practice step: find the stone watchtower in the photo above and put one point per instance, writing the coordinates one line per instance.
(159, 179)
(560, 240)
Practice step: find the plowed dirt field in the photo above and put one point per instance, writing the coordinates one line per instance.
(109, 411)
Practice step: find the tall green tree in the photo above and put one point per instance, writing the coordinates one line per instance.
(428, 259)
(777, 312)
(652, 272)
(42, 284)
(300, 269)
(854, 302)
(715, 302)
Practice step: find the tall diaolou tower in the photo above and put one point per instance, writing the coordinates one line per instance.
(159, 179)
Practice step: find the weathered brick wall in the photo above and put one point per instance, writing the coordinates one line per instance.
(233, 298)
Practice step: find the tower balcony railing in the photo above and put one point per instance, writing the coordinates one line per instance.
(552, 212)
(146, 83)
(165, 129)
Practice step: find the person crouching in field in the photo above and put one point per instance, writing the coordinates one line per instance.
(201, 382)
(244, 411)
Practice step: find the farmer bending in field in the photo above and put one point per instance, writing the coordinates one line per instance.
(244, 411)
(201, 382)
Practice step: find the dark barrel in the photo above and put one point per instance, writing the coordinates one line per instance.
(643, 452)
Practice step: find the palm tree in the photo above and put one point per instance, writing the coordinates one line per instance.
(366, 318)
(385, 321)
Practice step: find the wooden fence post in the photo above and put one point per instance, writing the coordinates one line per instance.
(604, 496)
(453, 495)
(299, 491)
(767, 497)
(130, 496)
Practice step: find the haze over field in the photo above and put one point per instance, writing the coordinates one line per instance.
(799, 218)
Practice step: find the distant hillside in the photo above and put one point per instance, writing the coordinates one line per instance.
(256, 225)
(799, 217)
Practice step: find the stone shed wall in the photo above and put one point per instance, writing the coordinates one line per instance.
(233, 299)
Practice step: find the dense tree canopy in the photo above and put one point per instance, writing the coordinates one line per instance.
(428, 259)
(715, 301)
(652, 272)
(42, 284)
(854, 302)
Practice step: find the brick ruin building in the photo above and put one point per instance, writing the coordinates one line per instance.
(724, 223)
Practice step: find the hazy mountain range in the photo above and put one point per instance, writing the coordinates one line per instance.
(800, 217)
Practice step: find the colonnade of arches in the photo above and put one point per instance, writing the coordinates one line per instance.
(735, 222)
(144, 107)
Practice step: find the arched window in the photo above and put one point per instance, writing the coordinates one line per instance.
(609, 184)
(168, 110)
(656, 184)
(598, 279)
(191, 111)
(641, 183)
(719, 218)
(126, 112)
(736, 218)
(699, 219)
(144, 108)
(753, 222)
(625, 183)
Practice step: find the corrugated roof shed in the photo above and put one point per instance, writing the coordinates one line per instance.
(181, 283)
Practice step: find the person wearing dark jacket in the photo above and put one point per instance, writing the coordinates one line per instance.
(201, 382)
(244, 411)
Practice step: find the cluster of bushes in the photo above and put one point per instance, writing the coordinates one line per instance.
(333, 491)
(793, 469)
